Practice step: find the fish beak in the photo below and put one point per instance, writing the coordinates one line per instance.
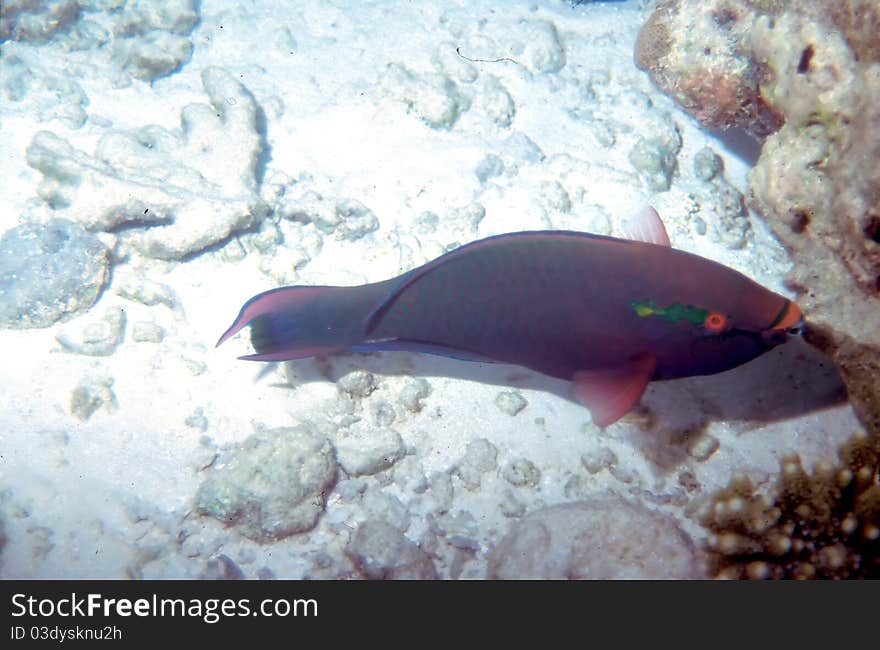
(790, 322)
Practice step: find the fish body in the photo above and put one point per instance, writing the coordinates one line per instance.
(608, 314)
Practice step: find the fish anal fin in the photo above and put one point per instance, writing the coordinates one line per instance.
(421, 347)
(647, 227)
(610, 394)
(302, 352)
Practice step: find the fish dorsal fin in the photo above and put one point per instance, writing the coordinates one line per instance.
(647, 227)
(610, 394)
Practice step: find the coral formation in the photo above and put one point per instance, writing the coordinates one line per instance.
(49, 272)
(173, 193)
(367, 455)
(824, 524)
(806, 76)
(147, 40)
(272, 485)
(380, 551)
(603, 538)
(99, 338)
(91, 395)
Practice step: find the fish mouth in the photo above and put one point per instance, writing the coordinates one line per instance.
(789, 322)
(789, 318)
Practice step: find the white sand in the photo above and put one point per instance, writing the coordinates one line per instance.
(366, 101)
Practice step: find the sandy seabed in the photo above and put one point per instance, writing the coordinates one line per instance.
(222, 149)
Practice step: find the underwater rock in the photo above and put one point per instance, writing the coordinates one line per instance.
(521, 472)
(147, 292)
(440, 492)
(606, 538)
(413, 392)
(198, 421)
(379, 505)
(707, 164)
(496, 102)
(450, 62)
(265, 239)
(433, 97)
(554, 197)
(169, 194)
(357, 384)
(153, 55)
(655, 159)
(365, 455)
(730, 221)
(694, 51)
(489, 167)
(480, 456)
(805, 76)
(99, 338)
(355, 220)
(49, 272)
(149, 39)
(599, 459)
(381, 552)
(35, 91)
(346, 219)
(702, 447)
(272, 485)
(510, 402)
(719, 202)
(147, 332)
(468, 216)
(382, 413)
(90, 396)
(36, 21)
(543, 49)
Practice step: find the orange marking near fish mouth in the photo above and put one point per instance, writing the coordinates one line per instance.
(789, 318)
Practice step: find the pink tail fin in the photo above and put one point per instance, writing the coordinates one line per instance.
(270, 301)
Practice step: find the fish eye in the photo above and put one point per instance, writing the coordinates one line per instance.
(715, 322)
(797, 330)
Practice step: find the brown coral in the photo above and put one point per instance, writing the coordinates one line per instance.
(824, 524)
(805, 76)
(712, 76)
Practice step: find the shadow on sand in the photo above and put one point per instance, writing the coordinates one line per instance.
(789, 381)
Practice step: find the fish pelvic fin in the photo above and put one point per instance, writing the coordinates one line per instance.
(611, 393)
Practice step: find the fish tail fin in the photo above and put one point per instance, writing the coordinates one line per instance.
(295, 322)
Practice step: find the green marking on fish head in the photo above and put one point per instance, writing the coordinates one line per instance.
(674, 313)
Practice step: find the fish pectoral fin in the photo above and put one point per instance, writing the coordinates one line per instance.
(647, 227)
(610, 394)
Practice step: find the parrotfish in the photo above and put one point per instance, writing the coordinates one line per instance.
(608, 314)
